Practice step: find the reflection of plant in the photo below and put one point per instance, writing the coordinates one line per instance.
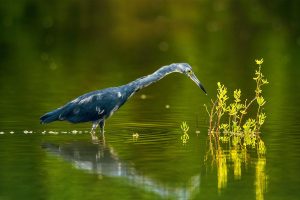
(234, 159)
(260, 179)
(185, 128)
(227, 121)
(222, 169)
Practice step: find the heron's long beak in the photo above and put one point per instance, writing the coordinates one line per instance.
(195, 79)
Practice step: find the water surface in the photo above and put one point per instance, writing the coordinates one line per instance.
(52, 54)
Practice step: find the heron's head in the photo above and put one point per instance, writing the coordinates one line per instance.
(186, 69)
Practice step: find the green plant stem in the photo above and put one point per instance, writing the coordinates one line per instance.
(229, 121)
(247, 109)
(212, 115)
(257, 120)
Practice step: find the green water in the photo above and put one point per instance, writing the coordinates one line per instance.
(52, 53)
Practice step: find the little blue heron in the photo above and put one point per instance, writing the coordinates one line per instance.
(97, 106)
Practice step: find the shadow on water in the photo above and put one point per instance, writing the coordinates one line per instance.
(103, 160)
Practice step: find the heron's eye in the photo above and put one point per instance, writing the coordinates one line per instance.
(188, 71)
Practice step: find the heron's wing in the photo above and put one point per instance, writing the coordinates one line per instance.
(91, 107)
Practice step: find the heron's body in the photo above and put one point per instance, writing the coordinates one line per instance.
(93, 106)
(99, 105)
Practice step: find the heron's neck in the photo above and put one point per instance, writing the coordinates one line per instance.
(152, 78)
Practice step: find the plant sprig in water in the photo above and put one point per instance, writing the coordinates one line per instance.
(228, 121)
(185, 128)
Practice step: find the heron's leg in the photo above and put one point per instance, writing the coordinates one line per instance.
(102, 124)
(94, 137)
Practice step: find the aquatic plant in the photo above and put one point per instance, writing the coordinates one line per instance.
(234, 127)
(185, 128)
(228, 121)
(135, 136)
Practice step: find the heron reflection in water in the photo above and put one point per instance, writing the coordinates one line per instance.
(97, 106)
(103, 160)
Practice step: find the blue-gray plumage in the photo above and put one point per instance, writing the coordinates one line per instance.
(97, 106)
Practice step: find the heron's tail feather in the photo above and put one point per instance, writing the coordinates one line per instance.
(50, 116)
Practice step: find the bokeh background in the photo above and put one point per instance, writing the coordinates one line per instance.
(77, 46)
(52, 42)
(53, 51)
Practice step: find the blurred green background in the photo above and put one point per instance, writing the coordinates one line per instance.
(86, 45)
(53, 51)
